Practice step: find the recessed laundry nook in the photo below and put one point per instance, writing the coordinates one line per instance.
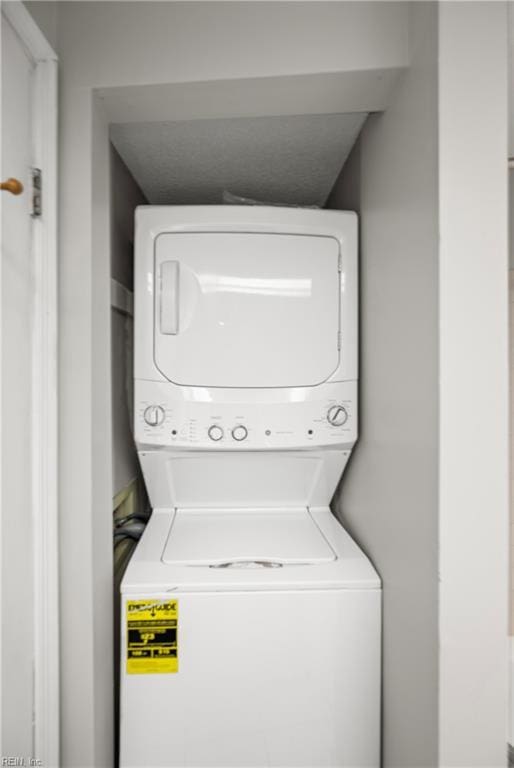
(244, 341)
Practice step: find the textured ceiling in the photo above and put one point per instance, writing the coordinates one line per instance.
(291, 159)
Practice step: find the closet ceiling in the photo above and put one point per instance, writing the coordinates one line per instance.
(287, 159)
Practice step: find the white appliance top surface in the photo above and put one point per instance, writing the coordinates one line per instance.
(246, 538)
(316, 551)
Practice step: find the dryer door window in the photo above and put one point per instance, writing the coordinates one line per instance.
(246, 310)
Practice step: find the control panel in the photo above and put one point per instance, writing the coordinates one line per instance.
(166, 415)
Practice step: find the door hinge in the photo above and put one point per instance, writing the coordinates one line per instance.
(37, 202)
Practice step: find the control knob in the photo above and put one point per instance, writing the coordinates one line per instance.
(337, 415)
(154, 415)
(215, 432)
(239, 433)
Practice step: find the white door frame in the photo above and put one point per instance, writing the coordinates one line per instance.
(44, 390)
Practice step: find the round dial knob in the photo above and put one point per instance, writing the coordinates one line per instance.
(337, 415)
(154, 415)
(215, 432)
(239, 432)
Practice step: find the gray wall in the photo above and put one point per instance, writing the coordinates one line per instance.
(511, 219)
(44, 13)
(125, 196)
(473, 383)
(388, 498)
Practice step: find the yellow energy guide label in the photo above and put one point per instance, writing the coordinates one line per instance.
(152, 636)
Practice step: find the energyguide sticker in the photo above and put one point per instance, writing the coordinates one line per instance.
(152, 636)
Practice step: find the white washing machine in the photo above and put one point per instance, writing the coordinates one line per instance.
(250, 619)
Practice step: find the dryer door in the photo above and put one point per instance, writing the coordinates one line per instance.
(246, 310)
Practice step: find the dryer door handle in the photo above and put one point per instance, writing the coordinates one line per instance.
(169, 297)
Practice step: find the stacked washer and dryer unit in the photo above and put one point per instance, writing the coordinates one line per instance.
(250, 619)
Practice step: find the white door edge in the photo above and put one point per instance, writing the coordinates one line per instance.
(44, 391)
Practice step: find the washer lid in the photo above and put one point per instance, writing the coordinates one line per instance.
(246, 538)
